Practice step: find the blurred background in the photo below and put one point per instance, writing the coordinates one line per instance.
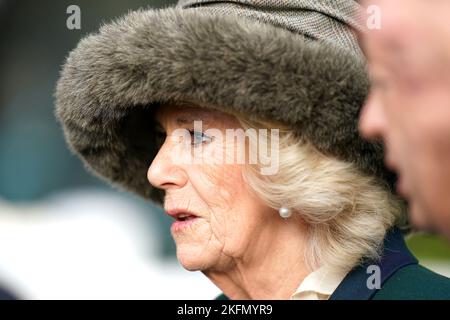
(63, 233)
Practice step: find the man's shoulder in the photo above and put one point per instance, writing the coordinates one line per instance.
(415, 282)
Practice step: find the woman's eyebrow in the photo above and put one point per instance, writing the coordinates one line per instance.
(189, 119)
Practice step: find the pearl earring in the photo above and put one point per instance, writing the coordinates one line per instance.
(285, 212)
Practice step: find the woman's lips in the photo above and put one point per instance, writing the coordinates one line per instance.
(181, 225)
(183, 219)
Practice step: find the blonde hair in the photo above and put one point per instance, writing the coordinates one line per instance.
(347, 212)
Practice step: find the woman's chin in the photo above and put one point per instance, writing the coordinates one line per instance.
(190, 263)
(189, 267)
(190, 258)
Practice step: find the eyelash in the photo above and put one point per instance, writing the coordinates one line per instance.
(193, 133)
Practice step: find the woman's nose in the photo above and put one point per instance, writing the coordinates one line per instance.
(164, 172)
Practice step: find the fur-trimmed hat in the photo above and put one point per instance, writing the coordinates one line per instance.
(292, 61)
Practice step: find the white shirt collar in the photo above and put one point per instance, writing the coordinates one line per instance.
(319, 284)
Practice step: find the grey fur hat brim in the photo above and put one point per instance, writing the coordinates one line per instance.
(113, 79)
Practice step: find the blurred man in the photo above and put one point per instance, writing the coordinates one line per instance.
(409, 104)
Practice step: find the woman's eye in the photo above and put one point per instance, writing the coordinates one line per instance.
(198, 137)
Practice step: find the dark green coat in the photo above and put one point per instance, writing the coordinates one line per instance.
(402, 278)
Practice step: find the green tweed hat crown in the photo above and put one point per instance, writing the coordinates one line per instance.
(296, 62)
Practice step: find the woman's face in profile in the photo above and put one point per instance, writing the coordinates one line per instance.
(217, 218)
